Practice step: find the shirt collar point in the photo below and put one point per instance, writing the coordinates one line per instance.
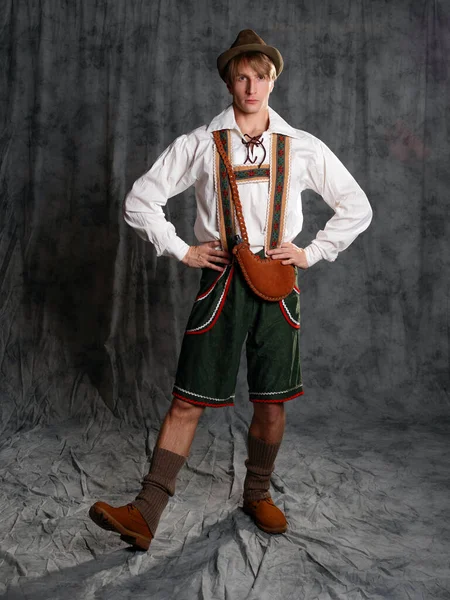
(226, 120)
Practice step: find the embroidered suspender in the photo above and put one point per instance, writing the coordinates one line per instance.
(279, 182)
(277, 175)
(251, 174)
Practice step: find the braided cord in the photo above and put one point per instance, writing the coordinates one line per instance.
(233, 185)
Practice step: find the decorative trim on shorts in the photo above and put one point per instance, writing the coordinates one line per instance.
(211, 287)
(286, 312)
(201, 400)
(287, 315)
(273, 397)
(207, 325)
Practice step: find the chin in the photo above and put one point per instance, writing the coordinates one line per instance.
(251, 108)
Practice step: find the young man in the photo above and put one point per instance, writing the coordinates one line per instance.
(273, 163)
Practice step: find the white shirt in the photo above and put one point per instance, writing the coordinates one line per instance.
(189, 160)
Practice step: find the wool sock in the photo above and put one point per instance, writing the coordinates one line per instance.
(261, 458)
(158, 485)
(260, 462)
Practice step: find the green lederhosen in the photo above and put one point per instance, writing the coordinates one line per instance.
(226, 312)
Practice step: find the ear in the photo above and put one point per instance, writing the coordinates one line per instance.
(272, 85)
(229, 88)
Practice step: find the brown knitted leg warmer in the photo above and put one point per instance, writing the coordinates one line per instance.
(261, 458)
(158, 485)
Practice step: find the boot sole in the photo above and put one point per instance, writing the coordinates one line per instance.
(281, 529)
(104, 520)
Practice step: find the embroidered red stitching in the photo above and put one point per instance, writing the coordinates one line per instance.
(272, 400)
(288, 316)
(206, 327)
(217, 404)
(211, 287)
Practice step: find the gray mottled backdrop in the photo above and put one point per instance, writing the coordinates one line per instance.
(91, 322)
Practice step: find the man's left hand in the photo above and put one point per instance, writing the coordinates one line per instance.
(289, 254)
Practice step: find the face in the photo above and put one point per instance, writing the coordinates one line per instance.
(250, 91)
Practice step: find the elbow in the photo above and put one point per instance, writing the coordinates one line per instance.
(365, 212)
(131, 204)
(125, 205)
(369, 215)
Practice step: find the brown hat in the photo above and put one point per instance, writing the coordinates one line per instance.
(249, 41)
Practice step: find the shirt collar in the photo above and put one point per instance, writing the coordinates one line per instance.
(226, 120)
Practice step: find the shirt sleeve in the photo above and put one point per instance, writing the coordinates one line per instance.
(341, 192)
(171, 174)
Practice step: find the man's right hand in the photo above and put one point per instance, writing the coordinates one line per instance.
(206, 255)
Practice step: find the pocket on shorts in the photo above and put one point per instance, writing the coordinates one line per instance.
(209, 301)
(290, 308)
(209, 281)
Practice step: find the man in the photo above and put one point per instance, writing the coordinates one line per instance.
(273, 163)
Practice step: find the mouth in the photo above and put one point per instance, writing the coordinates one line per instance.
(251, 101)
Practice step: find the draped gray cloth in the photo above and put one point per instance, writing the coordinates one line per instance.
(91, 322)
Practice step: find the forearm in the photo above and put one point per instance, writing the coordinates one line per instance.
(353, 215)
(171, 174)
(343, 194)
(154, 228)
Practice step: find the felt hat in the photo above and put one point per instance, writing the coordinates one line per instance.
(249, 41)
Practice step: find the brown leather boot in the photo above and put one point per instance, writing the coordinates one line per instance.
(266, 515)
(137, 522)
(126, 520)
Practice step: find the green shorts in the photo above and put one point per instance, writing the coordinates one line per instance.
(226, 313)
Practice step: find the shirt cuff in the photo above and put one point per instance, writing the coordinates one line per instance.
(313, 254)
(176, 248)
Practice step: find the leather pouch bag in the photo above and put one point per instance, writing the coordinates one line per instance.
(268, 278)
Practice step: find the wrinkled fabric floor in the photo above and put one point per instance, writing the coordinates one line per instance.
(367, 502)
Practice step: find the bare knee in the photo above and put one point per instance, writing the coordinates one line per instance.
(184, 411)
(269, 414)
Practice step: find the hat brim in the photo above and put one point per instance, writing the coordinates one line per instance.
(269, 51)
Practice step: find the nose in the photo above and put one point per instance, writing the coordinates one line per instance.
(251, 86)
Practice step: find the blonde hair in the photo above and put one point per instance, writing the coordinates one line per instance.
(258, 61)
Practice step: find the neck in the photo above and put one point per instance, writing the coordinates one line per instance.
(252, 124)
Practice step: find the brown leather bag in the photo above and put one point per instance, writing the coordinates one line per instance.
(268, 278)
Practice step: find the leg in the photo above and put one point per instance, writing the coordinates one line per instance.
(274, 377)
(206, 376)
(169, 455)
(137, 522)
(268, 422)
(264, 439)
(179, 426)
